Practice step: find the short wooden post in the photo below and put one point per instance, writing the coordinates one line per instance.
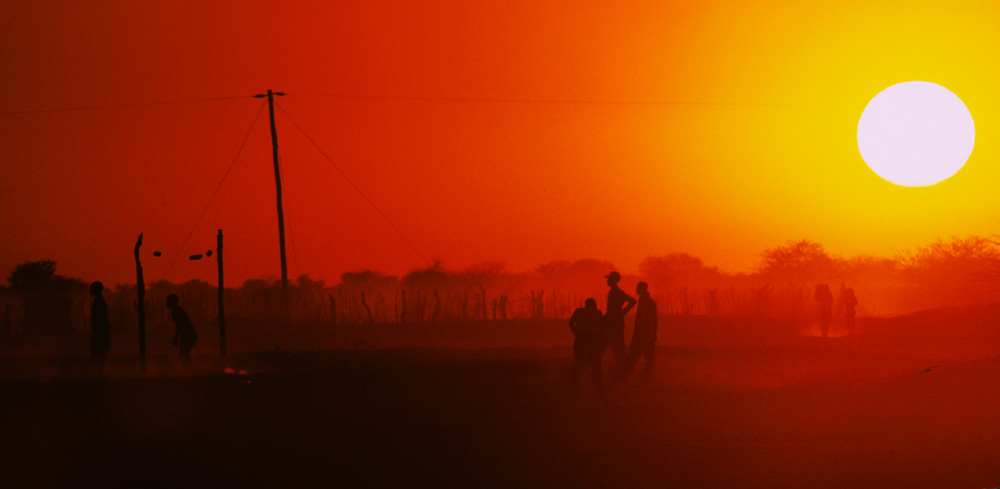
(368, 310)
(333, 309)
(402, 301)
(140, 288)
(222, 302)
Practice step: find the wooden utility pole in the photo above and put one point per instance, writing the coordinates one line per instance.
(140, 288)
(281, 214)
(222, 304)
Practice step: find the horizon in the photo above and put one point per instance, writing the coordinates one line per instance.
(497, 266)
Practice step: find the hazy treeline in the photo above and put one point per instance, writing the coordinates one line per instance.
(941, 274)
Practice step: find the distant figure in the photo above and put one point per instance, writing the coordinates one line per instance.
(586, 326)
(185, 330)
(825, 299)
(613, 326)
(644, 333)
(850, 306)
(100, 327)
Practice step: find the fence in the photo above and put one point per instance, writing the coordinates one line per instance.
(340, 305)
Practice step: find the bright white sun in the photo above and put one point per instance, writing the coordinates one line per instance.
(916, 134)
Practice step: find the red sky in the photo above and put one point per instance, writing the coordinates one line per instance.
(535, 167)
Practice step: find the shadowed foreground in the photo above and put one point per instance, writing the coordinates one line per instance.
(505, 418)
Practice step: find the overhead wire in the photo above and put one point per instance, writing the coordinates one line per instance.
(217, 188)
(354, 185)
(120, 106)
(361, 97)
(532, 100)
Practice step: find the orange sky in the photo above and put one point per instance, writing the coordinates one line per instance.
(761, 150)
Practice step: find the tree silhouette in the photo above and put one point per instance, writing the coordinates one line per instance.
(366, 279)
(305, 282)
(678, 269)
(32, 276)
(46, 298)
(798, 262)
(963, 269)
(432, 276)
(967, 256)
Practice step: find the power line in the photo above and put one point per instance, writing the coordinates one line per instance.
(411, 99)
(119, 106)
(534, 101)
(358, 189)
(212, 199)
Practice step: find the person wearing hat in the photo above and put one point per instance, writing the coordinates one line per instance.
(613, 326)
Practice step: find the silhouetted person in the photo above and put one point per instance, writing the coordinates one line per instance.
(185, 330)
(825, 299)
(586, 326)
(644, 333)
(100, 327)
(850, 306)
(613, 326)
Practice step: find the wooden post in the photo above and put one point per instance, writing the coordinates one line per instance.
(368, 310)
(286, 311)
(483, 290)
(222, 302)
(140, 288)
(281, 214)
(402, 300)
(436, 311)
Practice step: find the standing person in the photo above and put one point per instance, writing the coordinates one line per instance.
(825, 299)
(850, 306)
(613, 326)
(644, 333)
(185, 330)
(100, 327)
(586, 324)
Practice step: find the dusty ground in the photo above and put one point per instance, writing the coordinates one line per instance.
(902, 405)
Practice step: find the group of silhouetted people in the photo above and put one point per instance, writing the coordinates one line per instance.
(594, 333)
(825, 299)
(185, 336)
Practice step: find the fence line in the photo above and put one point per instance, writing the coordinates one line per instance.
(404, 305)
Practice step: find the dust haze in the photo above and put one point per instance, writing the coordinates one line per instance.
(458, 377)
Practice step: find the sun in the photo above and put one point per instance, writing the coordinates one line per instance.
(916, 134)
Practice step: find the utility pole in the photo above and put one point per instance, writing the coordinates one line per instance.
(281, 214)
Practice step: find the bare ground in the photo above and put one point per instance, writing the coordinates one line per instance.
(911, 402)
